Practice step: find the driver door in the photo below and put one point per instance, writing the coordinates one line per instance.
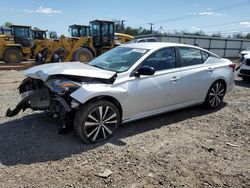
(154, 92)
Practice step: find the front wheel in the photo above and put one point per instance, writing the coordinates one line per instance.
(59, 55)
(215, 95)
(96, 122)
(13, 55)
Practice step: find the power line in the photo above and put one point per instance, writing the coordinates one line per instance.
(228, 23)
(230, 31)
(224, 8)
(216, 25)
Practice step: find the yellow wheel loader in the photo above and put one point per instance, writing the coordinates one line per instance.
(43, 47)
(16, 45)
(80, 46)
(85, 43)
(67, 48)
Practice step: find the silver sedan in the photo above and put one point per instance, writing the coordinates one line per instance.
(127, 83)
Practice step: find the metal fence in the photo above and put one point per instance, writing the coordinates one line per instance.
(224, 47)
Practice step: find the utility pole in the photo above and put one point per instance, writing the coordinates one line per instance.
(123, 25)
(151, 27)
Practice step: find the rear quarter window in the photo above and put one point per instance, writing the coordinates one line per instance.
(190, 56)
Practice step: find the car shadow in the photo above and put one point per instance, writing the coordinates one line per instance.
(34, 138)
(242, 83)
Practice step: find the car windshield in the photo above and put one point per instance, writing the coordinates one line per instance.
(119, 59)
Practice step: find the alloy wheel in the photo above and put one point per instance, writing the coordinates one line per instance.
(216, 94)
(100, 123)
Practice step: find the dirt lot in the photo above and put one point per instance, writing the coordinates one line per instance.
(187, 148)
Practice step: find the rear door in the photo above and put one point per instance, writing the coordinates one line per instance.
(196, 75)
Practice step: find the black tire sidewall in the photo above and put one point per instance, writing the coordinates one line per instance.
(17, 51)
(82, 115)
(80, 51)
(58, 52)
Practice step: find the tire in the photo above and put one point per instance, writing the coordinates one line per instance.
(215, 95)
(41, 57)
(13, 55)
(59, 55)
(88, 125)
(83, 55)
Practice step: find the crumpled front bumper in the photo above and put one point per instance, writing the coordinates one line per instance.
(40, 99)
(35, 99)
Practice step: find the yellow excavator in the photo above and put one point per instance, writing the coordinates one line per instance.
(15, 46)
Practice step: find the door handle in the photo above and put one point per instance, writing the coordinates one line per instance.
(210, 69)
(174, 79)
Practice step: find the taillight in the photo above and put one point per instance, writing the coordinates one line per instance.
(232, 66)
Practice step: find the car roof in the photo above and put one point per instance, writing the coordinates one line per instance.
(154, 45)
(158, 45)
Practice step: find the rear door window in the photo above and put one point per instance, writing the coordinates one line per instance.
(190, 56)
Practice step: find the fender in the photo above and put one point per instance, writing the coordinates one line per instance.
(87, 92)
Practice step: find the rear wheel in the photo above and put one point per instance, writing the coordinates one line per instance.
(215, 95)
(96, 122)
(13, 55)
(83, 55)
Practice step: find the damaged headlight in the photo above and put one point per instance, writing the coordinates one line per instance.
(60, 86)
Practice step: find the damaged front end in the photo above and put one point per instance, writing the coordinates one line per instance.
(52, 95)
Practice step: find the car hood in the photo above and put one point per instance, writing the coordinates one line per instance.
(247, 56)
(43, 72)
(245, 52)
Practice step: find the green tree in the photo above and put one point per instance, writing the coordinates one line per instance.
(7, 24)
(248, 36)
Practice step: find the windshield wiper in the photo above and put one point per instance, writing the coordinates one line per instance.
(97, 66)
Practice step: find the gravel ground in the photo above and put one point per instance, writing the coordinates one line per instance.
(193, 147)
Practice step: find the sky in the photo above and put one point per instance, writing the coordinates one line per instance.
(210, 16)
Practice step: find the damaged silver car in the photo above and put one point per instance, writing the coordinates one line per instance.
(127, 83)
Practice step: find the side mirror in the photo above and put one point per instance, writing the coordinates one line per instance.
(145, 70)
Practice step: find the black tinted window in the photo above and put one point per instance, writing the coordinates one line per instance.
(190, 56)
(162, 59)
(141, 40)
(151, 40)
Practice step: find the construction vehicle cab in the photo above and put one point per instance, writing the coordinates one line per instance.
(21, 35)
(17, 46)
(38, 34)
(103, 35)
(5, 30)
(79, 30)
